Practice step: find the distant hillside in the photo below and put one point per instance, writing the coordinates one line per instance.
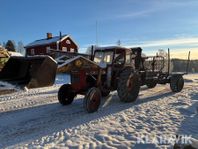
(179, 65)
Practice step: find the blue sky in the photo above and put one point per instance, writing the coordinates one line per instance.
(152, 24)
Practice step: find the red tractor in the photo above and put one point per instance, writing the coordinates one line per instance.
(113, 68)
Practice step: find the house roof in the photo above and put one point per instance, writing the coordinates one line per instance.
(109, 47)
(46, 41)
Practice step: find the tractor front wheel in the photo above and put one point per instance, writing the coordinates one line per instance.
(128, 86)
(92, 100)
(177, 83)
(66, 94)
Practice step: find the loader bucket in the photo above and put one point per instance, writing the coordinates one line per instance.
(32, 72)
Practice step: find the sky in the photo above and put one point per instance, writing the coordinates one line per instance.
(151, 24)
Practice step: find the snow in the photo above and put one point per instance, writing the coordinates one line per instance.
(7, 88)
(108, 47)
(35, 119)
(15, 53)
(45, 41)
(75, 58)
(62, 78)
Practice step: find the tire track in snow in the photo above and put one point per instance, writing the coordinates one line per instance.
(26, 103)
(28, 99)
(49, 117)
(28, 93)
(104, 113)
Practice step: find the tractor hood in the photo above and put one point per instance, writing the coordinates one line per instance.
(78, 63)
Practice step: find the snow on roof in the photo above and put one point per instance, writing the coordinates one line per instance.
(75, 58)
(109, 47)
(45, 41)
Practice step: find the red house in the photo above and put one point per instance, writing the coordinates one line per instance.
(44, 46)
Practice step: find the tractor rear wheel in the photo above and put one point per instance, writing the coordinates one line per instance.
(176, 83)
(66, 94)
(92, 100)
(128, 86)
(151, 84)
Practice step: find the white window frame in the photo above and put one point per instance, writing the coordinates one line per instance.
(72, 50)
(48, 49)
(68, 41)
(32, 51)
(64, 49)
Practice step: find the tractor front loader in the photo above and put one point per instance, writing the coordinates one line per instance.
(30, 72)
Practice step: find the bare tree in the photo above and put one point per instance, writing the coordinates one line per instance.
(88, 51)
(20, 48)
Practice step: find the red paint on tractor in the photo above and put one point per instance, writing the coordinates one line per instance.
(79, 80)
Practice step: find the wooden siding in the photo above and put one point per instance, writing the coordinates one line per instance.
(42, 49)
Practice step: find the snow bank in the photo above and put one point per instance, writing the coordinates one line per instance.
(15, 53)
(62, 78)
(5, 85)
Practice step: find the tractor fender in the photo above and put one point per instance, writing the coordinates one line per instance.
(125, 68)
(179, 74)
(117, 75)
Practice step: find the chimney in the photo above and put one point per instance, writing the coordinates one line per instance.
(49, 35)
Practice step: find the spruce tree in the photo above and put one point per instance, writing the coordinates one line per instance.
(10, 46)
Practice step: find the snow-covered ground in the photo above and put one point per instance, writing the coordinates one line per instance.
(35, 119)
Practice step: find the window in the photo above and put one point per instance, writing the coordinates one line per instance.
(64, 49)
(108, 58)
(119, 58)
(71, 50)
(104, 57)
(47, 49)
(32, 51)
(68, 41)
(98, 57)
(128, 58)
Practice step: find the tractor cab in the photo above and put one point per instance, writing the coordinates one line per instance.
(112, 60)
(112, 56)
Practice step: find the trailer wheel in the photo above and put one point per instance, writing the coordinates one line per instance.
(128, 86)
(92, 100)
(65, 94)
(151, 84)
(177, 83)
